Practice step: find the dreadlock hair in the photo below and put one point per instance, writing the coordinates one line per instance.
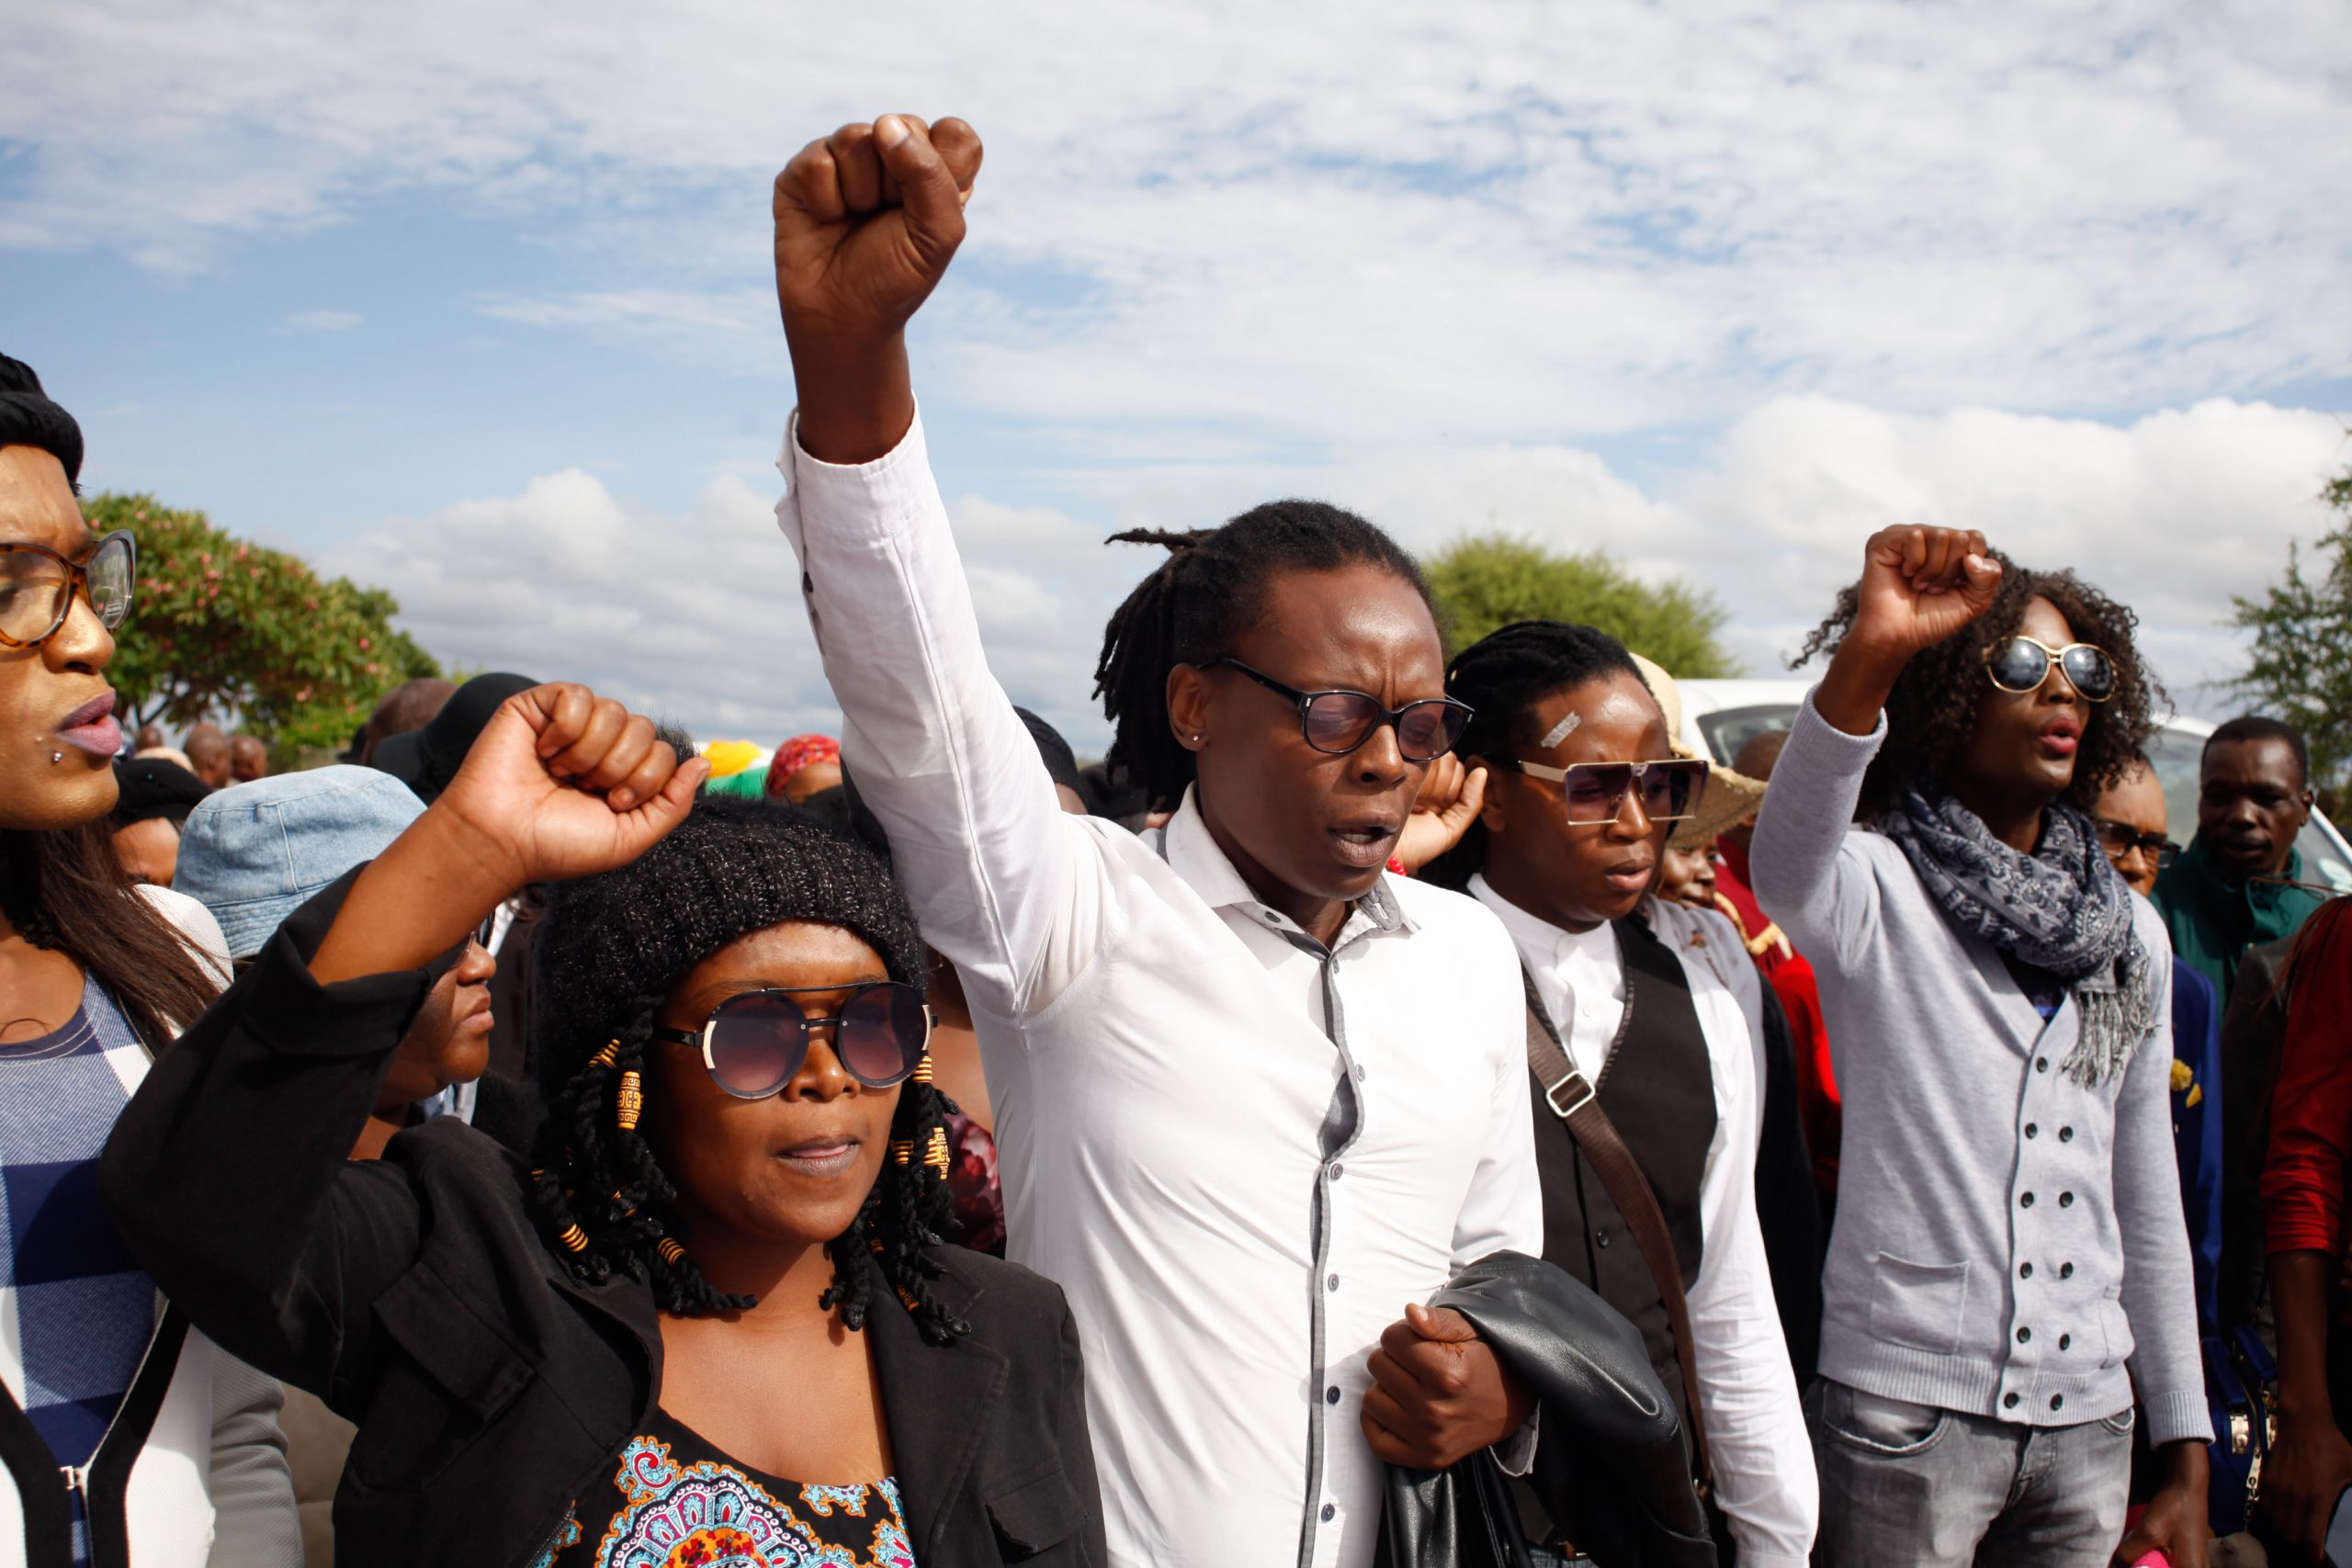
(1502, 676)
(611, 950)
(1197, 601)
(1932, 711)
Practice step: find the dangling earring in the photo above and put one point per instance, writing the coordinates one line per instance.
(628, 1101)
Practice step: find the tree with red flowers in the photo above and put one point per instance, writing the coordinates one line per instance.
(221, 627)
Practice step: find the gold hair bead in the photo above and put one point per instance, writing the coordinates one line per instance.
(902, 1150)
(573, 1239)
(935, 1156)
(610, 1056)
(671, 1251)
(923, 1068)
(628, 1102)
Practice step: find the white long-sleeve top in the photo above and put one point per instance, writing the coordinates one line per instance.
(1756, 1430)
(1173, 1062)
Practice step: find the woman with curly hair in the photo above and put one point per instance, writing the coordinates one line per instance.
(2009, 1257)
(722, 1267)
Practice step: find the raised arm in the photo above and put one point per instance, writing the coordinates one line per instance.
(1918, 586)
(867, 222)
(227, 1173)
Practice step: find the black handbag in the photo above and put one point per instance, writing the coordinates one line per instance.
(1613, 1469)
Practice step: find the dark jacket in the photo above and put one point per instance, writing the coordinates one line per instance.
(1611, 1467)
(413, 1295)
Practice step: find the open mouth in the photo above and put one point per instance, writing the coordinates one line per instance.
(91, 727)
(2061, 736)
(1365, 843)
(1630, 876)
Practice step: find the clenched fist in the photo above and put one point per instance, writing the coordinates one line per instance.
(1919, 587)
(867, 222)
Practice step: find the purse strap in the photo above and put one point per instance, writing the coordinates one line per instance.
(1578, 1103)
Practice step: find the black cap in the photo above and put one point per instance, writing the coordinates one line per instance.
(154, 786)
(29, 419)
(426, 759)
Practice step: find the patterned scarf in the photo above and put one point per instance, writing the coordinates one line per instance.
(2063, 909)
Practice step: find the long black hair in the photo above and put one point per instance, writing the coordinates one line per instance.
(613, 948)
(64, 891)
(1193, 605)
(1502, 676)
(1932, 711)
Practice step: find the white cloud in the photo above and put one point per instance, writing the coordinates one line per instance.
(1231, 225)
(325, 321)
(700, 616)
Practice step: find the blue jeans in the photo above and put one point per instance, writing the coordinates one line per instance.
(1927, 1488)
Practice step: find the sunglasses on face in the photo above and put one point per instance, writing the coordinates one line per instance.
(1337, 722)
(38, 586)
(754, 1044)
(2020, 665)
(2120, 838)
(1596, 792)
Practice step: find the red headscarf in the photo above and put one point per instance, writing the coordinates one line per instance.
(797, 753)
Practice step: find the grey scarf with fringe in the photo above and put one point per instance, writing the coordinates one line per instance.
(2063, 909)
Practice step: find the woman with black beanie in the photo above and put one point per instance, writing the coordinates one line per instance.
(721, 1268)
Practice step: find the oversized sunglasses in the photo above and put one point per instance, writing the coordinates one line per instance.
(1596, 792)
(38, 586)
(2019, 664)
(2120, 838)
(1336, 722)
(754, 1044)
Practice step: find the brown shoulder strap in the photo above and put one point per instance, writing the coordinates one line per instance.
(1578, 1103)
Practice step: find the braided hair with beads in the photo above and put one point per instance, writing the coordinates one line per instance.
(1502, 676)
(1197, 601)
(610, 951)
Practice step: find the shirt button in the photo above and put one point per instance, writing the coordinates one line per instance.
(2032, 1131)
(2042, 1065)
(1331, 1282)
(2066, 1200)
(1601, 1241)
(2065, 1341)
(2009, 1402)
(2057, 1401)
(1330, 1512)
(2026, 1201)
(2066, 1134)
(1338, 1171)
(2024, 1335)
(1360, 1074)
(1330, 1396)
(2025, 1270)
(2066, 1271)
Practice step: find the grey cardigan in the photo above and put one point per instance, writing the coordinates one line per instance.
(2007, 1241)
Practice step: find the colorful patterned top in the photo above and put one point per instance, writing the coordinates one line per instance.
(683, 1503)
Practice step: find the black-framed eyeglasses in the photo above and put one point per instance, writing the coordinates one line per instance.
(1595, 792)
(754, 1044)
(38, 586)
(2120, 838)
(2020, 665)
(1336, 722)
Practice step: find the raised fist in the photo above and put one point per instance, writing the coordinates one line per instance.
(563, 784)
(867, 222)
(1920, 585)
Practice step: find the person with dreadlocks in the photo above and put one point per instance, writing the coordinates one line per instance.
(1656, 1004)
(1254, 1094)
(2008, 1260)
(723, 1270)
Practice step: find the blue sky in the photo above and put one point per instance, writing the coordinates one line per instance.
(472, 302)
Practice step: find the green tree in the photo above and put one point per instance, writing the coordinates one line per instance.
(221, 625)
(2303, 648)
(1486, 581)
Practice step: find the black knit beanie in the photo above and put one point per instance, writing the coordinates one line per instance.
(28, 418)
(732, 868)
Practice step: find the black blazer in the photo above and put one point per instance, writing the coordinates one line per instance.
(413, 1295)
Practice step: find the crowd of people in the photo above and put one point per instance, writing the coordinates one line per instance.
(1401, 1106)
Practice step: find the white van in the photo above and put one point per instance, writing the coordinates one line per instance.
(1719, 716)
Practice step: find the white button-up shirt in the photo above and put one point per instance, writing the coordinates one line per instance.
(1756, 1430)
(1240, 1155)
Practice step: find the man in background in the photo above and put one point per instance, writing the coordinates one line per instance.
(2234, 887)
(208, 755)
(248, 759)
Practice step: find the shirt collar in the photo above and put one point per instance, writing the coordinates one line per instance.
(1192, 853)
(1541, 945)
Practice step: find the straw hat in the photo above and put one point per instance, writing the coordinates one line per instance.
(1729, 799)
